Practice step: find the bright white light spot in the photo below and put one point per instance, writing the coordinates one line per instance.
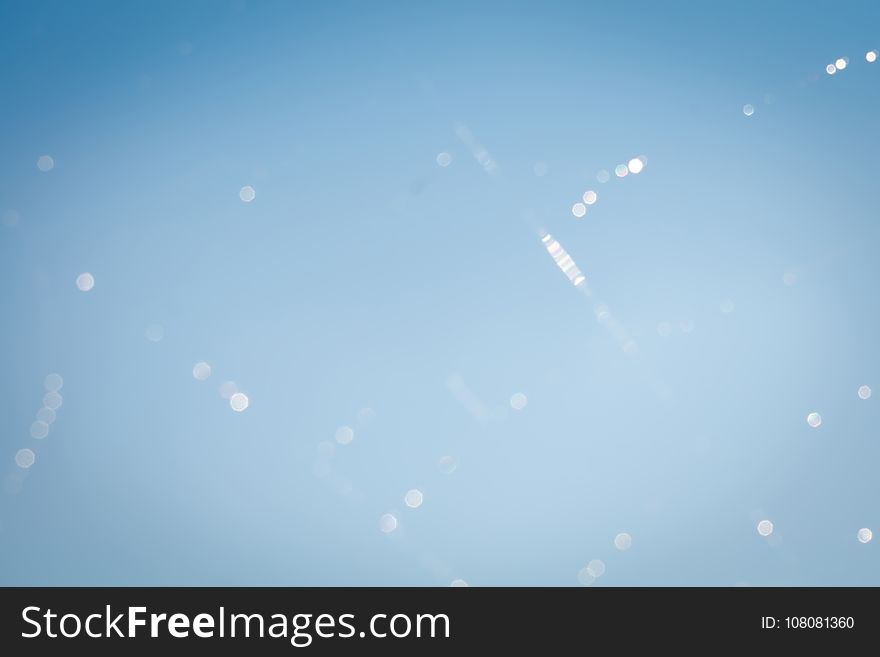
(540, 169)
(865, 535)
(47, 415)
(52, 400)
(623, 541)
(413, 498)
(85, 282)
(603, 176)
(154, 332)
(664, 329)
(387, 523)
(620, 170)
(344, 435)
(45, 163)
(840, 64)
(635, 165)
(748, 109)
(814, 420)
(765, 528)
(239, 402)
(590, 197)
(444, 159)
(39, 430)
(447, 465)
(579, 210)
(247, 193)
(458, 584)
(831, 69)
(201, 371)
(864, 392)
(871, 56)
(227, 389)
(24, 458)
(518, 401)
(726, 306)
(596, 568)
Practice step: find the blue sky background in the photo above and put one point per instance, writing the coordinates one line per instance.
(365, 276)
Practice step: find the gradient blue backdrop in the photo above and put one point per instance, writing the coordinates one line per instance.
(364, 275)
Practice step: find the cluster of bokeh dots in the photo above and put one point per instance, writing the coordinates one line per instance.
(591, 572)
(238, 400)
(45, 417)
(839, 64)
(344, 435)
(634, 165)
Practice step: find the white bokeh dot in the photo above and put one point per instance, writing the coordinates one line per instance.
(344, 435)
(621, 170)
(831, 69)
(748, 109)
(247, 194)
(865, 535)
(841, 63)
(46, 414)
(24, 458)
(85, 282)
(585, 578)
(39, 429)
(814, 420)
(864, 392)
(765, 528)
(53, 382)
(154, 332)
(239, 402)
(45, 163)
(447, 464)
(623, 541)
(518, 401)
(579, 210)
(596, 568)
(413, 498)
(871, 56)
(444, 159)
(201, 371)
(458, 584)
(53, 400)
(590, 197)
(635, 165)
(387, 523)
